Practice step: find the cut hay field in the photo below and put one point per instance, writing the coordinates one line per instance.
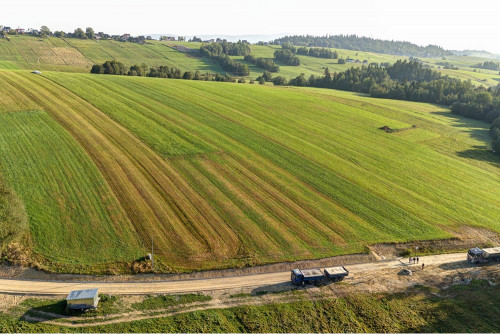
(226, 174)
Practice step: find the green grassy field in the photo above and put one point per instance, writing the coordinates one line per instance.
(78, 55)
(225, 174)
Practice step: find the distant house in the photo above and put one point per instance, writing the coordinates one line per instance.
(82, 299)
(170, 38)
(20, 30)
(125, 37)
(349, 60)
(6, 29)
(209, 41)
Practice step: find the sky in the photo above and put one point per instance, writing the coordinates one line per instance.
(450, 24)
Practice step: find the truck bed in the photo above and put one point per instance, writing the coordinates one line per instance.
(336, 271)
(312, 274)
(492, 252)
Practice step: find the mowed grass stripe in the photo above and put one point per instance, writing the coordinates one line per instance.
(71, 210)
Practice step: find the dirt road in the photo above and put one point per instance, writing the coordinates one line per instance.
(34, 287)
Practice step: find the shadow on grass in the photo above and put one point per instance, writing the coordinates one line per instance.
(482, 153)
(478, 130)
(286, 287)
(50, 309)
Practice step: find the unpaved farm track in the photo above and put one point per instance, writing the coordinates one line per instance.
(35, 287)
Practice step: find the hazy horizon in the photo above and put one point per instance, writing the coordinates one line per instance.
(452, 25)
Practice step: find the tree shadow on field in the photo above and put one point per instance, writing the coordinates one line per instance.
(478, 130)
(286, 287)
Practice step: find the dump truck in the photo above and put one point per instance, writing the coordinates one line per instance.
(316, 276)
(477, 255)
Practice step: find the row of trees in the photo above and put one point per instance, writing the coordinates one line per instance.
(488, 65)
(286, 56)
(265, 63)
(117, 68)
(354, 42)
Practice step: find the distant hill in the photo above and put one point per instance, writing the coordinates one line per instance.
(475, 53)
(360, 43)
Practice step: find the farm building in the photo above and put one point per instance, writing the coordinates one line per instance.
(83, 299)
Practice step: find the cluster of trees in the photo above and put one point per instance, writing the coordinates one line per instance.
(318, 52)
(268, 77)
(110, 67)
(403, 70)
(354, 42)
(286, 56)
(265, 63)
(488, 65)
(219, 52)
(225, 48)
(446, 65)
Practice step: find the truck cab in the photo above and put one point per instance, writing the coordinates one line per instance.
(297, 277)
(477, 255)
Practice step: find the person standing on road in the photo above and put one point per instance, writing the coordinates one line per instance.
(417, 260)
(409, 260)
(422, 266)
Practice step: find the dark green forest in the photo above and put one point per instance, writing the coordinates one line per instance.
(358, 43)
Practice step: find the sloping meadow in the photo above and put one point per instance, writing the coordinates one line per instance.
(223, 174)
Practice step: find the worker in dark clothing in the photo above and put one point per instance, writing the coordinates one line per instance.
(423, 266)
(417, 260)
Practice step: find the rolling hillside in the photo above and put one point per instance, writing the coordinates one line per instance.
(78, 55)
(224, 174)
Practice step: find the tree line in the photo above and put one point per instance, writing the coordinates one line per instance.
(114, 67)
(488, 65)
(318, 52)
(354, 42)
(219, 52)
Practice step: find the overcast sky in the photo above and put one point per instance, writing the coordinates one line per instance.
(451, 24)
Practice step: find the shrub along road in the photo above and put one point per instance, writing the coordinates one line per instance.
(33, 287)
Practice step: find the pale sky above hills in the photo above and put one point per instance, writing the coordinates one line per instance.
(451, 24)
